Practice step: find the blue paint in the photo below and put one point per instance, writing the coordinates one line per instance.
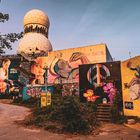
(40, 88)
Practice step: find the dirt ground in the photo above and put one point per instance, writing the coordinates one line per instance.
(10, 130)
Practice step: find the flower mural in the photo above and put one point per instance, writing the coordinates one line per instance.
(89, 95)
(103, 80)
(110, 89)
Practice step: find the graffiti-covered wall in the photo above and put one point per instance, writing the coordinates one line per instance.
(100, 81)
(60, 66)
(131, 86)
(8, 73)
(63, 64)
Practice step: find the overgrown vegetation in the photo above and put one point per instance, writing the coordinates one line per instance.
(117, 110)
(30, 103)
(66, 114)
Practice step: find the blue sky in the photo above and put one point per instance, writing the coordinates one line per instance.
(76, 23)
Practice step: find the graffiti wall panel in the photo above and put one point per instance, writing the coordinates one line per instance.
(131, 86)
(39, 70)
(4, 75)
(13, 72)
(99, 81)
(63, 64)
(70, 89)
(35, 91)
(9, 75)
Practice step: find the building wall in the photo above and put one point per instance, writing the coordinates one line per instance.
(108, 56)
(13, 73)
(63, 64)
(98, 81)
(131, 86)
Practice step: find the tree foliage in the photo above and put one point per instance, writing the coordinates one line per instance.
(4, 17)
(6, 40)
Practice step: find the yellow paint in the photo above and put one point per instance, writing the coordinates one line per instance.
(48, 98)
(43, 100)
(94, 53)
(127, 76)
(72, 58)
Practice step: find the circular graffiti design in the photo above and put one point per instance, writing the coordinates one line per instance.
(92, 78)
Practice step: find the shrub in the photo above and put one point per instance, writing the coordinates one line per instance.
(67, 112)
(57, 89)
(73, 116)
(116, 110)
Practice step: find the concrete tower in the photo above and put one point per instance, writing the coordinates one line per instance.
(35, 39)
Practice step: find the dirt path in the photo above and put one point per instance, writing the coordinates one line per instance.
(9, 130)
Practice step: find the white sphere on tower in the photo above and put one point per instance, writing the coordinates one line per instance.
(36, 16)
(35, 39)
(34, 42)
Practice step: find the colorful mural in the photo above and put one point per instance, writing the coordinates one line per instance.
(89, 95)
(131, 86)
(99, 81)
(70, 89)
(63, 71)
(63, 64)
(38, 68)
(5, 83)
(57, 67)
(35, 91)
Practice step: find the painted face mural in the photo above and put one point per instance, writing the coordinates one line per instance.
(4, 82)
(63, 64)
(4, 69)
(100, 81)
(38, 69)
(64, 71)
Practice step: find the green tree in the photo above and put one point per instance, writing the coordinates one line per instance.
(6, 40)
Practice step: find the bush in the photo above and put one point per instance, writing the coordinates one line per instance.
(117, 108)
(57, 89)
(31, 103)
(75, 116)
(72, 115)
